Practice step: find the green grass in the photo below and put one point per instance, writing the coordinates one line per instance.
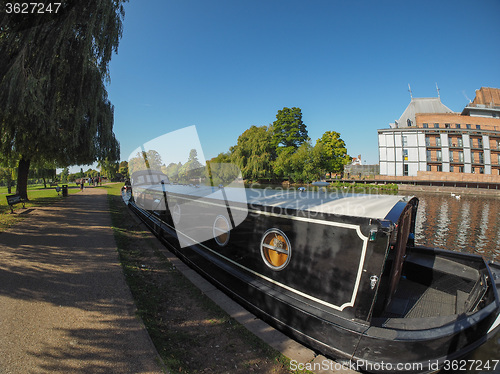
(38, 196)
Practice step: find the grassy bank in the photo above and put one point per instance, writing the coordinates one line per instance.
(191, 333)
(38, 196)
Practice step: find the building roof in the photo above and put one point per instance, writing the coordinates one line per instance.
(487, 96)
(485, 104)
(421, 105)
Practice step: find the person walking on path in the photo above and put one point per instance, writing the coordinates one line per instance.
(65, 306)
(82, 181)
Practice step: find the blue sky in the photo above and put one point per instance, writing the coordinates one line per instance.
(225, 65)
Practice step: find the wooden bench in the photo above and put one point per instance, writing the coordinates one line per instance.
(13, 200)
(53, 184)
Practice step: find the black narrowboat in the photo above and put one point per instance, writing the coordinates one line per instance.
(337, 271)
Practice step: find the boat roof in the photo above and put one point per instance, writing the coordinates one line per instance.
(343, 203)
(338, 202)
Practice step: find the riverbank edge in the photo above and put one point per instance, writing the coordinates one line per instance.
(449, 190)
(390, 188)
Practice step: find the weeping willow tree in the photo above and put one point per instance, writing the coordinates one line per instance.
(53, 68)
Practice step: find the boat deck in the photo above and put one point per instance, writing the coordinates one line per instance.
(444, 297)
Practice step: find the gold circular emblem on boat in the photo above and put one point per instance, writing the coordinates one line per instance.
(221, 230)
(275, 249)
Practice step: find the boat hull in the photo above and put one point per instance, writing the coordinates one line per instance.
(326, 295)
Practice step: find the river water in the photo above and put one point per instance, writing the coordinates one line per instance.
(465, 223)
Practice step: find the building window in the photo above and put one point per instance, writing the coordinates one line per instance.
(429, 168)
(468, 126)
(472, 157)
(426, 125)
(471, 142)
(439, 155)
(480, 143)
(405, 171)
(460, 142)
(440, 168)
(438, 142)
(405, 154)
(451, 156)
(498, 159)
(498, 145)
(473, 170)
(460, 169)
(460, 156)
(405, 141)
(457, 125)
(451, 168)
(446, 125)
(429, 157)
(427, 141)
(481, 170)
(481, 158)
(478, 127)
(436, 125)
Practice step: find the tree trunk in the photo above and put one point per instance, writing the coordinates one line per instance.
(22, 177)
(44, 182)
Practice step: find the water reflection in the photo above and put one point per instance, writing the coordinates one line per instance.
(463, 225)
(466, 223)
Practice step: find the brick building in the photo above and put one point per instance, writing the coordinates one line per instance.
(431, 139)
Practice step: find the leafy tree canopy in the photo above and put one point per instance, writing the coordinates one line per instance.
(254, 153)
(334, 152)
(53, 102)
(288, 131)
(192, 169)
(145, 160)
(123, 169)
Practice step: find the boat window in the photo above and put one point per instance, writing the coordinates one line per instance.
(221, 230)
(275, 249)
(176, 214)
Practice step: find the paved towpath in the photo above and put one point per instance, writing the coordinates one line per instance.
(64, 303)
